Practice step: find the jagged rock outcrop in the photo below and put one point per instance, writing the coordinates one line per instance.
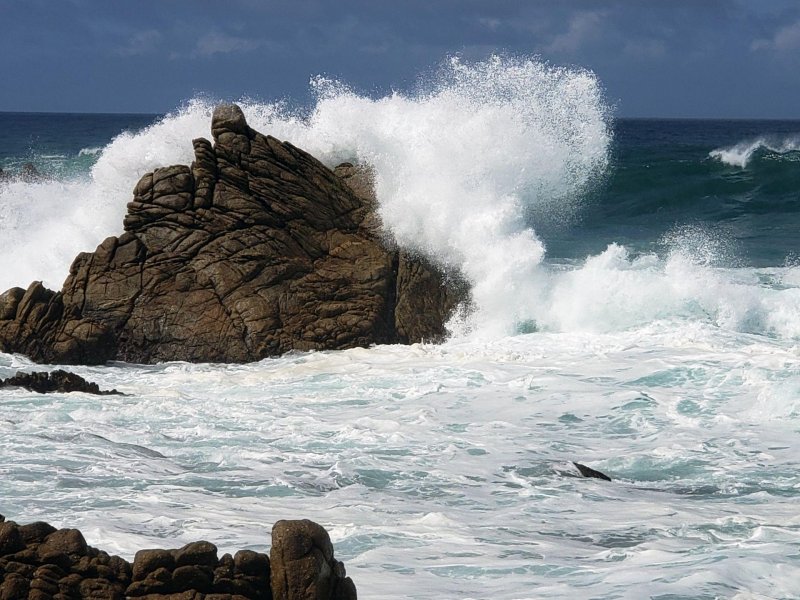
(54, 381)
(254, 250)
(40, 562)
(303, 566)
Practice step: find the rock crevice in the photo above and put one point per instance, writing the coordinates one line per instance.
(254, 250)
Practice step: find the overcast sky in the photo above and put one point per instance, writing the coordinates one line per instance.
(669, 58)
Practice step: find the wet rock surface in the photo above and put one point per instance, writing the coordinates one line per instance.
(54, 381)
(254, 250)
(40, 562)
(590, 472)
(303, 565)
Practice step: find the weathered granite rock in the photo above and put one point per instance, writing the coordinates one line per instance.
(254, 250)
(303, 566)
(54, 381)
(38, 561)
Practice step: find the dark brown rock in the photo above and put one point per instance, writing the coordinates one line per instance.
(248, 562)
(156, 582)
(10, 538)
(54, 381)
(69, 586)
(224, 571)
(9, 301)
(192, 577)
(35, 532)
(14, 587)
(50, 556)
(302, 564)
(147, 561)
(25, 569)
(197, 553)
(254, 250)
(68, 541)
(101, 589)
(45, 579)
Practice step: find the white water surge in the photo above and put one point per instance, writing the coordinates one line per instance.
(741, 154)
(444, 471)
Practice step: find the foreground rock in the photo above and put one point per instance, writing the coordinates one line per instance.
(39, 562)
(55, 381)
(254, 250)
(303, 565)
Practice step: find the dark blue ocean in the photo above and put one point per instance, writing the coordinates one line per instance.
(636, 308)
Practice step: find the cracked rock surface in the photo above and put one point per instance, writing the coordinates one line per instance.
(254, 250)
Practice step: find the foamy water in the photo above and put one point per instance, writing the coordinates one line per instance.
(446, 471)
(741, 154)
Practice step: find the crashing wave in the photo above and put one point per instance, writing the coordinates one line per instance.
(741, 154)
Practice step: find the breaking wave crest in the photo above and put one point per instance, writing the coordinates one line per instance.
(742, 154)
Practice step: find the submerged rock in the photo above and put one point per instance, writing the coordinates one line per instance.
(54, 381)
(590, 472)
(40, 561)
(254, 250)
(29, 172)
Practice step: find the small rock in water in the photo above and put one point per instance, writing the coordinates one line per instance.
(29, 172)
(589, 472)
(55, 381)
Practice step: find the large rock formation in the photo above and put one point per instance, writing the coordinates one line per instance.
(254, 250)
(40, 562)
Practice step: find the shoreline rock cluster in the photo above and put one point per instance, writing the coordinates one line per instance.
(254, 250)
(40, 562)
